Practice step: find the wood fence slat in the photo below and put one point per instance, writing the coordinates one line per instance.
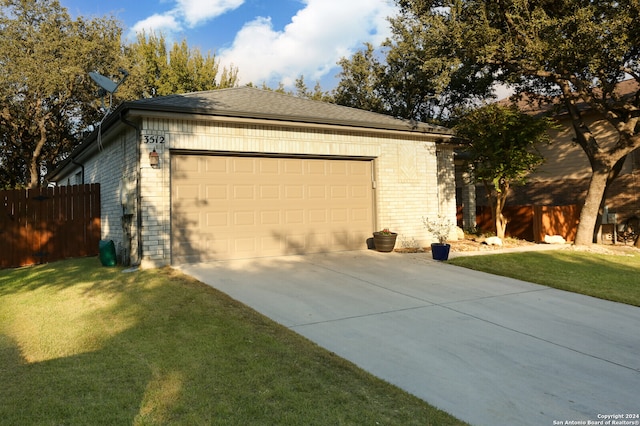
(532, 223)
(47, 224)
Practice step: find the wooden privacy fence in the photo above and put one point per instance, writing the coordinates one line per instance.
(47, 224)
(532, 223)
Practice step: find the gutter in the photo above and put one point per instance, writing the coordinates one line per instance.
(75, 163)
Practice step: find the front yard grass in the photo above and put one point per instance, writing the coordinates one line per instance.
(82, 344)
(606, 276)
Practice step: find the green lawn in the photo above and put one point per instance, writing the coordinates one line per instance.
(610, 277)
(81, 344)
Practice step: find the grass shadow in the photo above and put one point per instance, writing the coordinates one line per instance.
(157, 347)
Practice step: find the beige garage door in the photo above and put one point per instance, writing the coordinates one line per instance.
(226, 207)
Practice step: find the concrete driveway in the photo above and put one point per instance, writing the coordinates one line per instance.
(487, 349)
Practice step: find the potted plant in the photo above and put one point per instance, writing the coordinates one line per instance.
(384, 240)
(441, 229)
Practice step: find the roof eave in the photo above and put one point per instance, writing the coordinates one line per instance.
(406, 127)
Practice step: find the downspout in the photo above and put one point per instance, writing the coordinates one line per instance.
(81, 168)
(138, 190)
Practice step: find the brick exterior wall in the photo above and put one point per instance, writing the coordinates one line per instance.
(114, 168)
(414, 177)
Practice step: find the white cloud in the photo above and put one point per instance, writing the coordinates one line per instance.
(165, 23)
(186, 14)
(197, 11)
(311, 44)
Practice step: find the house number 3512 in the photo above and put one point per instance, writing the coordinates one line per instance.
(153, 139)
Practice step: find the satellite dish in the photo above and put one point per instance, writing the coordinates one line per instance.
(107, 85)
(104, 82)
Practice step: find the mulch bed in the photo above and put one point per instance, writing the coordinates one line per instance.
(477, 244)
(470, 244)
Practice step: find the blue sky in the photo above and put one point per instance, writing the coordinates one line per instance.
(268, 40)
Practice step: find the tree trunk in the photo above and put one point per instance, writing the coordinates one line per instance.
(590, 210)
(501, 221)
(497, 200)
(34, 161)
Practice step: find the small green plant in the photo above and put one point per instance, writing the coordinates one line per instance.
(440, 227)
(386, 231)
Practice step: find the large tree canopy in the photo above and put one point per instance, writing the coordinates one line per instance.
(158, 71)
(47, 100)
(413, 75)
(46, 96)
(576, 50)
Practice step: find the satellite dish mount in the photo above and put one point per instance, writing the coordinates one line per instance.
(107, 85)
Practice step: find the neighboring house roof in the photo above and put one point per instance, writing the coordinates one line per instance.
(252, 103)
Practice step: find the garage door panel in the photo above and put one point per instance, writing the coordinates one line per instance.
(244, 192)
(269, 167)
(295, 243)
(339, 192)
(269, 192)
(243, 165)
(246, 218)
(270, 217)
(215, 244)
(216, 165)
(359, 215)
(187, 192)
(245, 246)
(293, 217)
(339, 215)
(217, 192)
(338, 168)
(293, 167)
(185, 164)
(294, 192)
(360, 192)
(217, 219)
(242, 207)
(316, 168)
(318, 217)
(318, 192)
(359, 168)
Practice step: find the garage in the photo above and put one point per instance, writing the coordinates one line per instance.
(243, 173)
(233, 207)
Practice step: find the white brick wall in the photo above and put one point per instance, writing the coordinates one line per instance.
(411, 182)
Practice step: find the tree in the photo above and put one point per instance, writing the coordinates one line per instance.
(316, 95)
(502, 151)
(360, 81)
(575, 50)
(154, 71)
(411, 76)
(46, 97)
(301, 90)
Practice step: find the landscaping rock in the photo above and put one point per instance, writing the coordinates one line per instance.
(493, 241)
(554, 239)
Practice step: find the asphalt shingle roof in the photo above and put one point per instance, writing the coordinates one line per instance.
(249, 102)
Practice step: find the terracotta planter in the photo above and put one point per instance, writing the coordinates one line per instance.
(384, 242)
(440, 251)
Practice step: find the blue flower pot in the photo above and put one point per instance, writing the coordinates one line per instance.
(440, 251)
